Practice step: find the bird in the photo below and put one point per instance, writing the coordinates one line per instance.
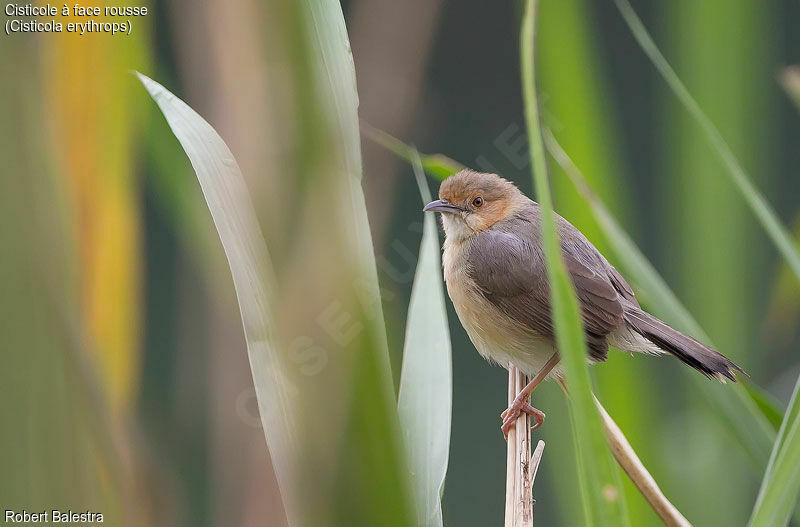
(496, 277)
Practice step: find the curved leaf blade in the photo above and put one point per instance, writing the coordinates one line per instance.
(761, 208)
(780, 487)
(426, 382)
(229, 202)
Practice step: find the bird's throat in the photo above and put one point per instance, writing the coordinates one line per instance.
(456, 229)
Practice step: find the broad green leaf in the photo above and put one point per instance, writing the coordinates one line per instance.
(780, 487)
(343, 465)
(371, 487)
(777, 232)
(234, 217)
(603, 500)
(426, 382)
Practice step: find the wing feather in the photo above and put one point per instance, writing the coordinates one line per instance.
(509, 269)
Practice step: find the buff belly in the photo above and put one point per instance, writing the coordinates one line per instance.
(497, 337)
(501, 340)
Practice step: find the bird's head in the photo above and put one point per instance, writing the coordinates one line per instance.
(471, 202)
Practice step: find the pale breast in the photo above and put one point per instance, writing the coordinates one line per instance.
(496, 337)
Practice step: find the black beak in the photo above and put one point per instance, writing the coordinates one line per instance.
(441, 205)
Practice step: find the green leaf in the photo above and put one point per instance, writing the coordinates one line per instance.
(768, 405)
(234, 217)
(426, 382)
(601, 490)
(576, 100)
(437, 165)
(371, 487)
(780, 487)
(343, 465)
(777, 232)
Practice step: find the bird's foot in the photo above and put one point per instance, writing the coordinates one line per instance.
(512, 413)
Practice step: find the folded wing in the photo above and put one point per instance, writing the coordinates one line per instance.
(509, 269)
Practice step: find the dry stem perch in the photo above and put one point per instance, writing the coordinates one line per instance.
(521, 466)
(633, 467)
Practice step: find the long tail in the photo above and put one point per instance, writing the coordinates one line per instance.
(708, 361)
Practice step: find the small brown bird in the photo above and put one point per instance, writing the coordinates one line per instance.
(496, 277)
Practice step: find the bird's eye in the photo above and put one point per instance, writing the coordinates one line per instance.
(477, 201)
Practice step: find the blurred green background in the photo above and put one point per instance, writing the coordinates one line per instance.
(125, 381)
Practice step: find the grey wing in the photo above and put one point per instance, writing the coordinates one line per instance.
(574, 243)
(511, 273)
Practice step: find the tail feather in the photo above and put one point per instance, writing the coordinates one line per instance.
(708, 361)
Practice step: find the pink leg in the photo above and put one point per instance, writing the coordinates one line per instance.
(521, 404)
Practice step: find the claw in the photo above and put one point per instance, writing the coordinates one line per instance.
(512, 413)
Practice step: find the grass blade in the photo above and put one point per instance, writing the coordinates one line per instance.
(437, 165)
(777, 232)
(234, 217)
(371, 440)
(766, 403)
(426, 382)
(575, 100)
(333, 64)
(599, 476)
(780, 487)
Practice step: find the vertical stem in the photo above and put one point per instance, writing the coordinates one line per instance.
(511, 454)
(521, 466)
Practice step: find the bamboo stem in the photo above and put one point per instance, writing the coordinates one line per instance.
(521, 465)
